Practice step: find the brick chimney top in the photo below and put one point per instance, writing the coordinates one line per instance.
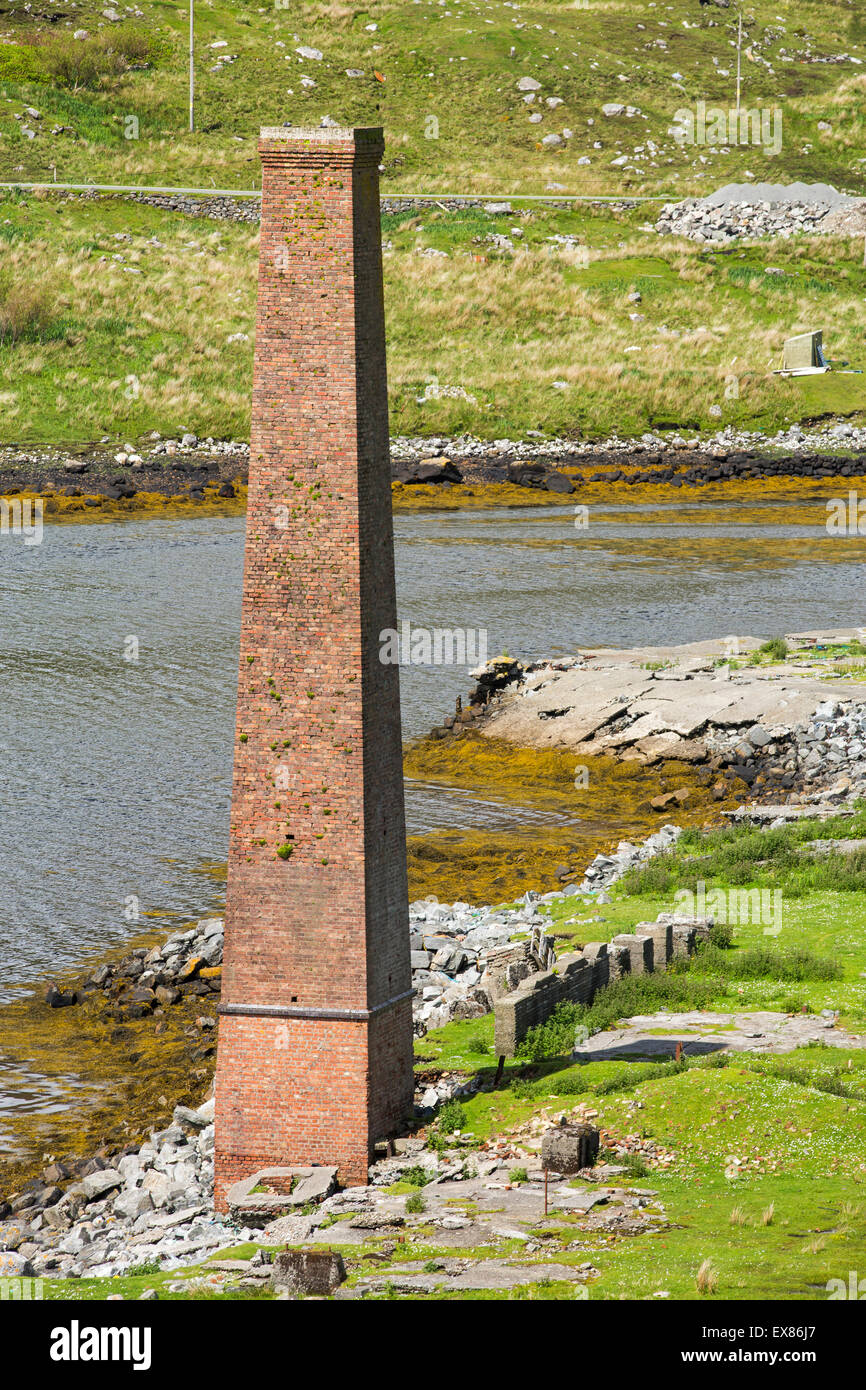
(323, 135)
(333, 146)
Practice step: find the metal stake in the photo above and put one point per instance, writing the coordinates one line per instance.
(191, 66)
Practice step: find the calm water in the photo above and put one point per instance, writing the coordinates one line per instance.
(115, 783)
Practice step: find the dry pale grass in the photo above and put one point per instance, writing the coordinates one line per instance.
(519, 325)
(707, 1278)
(814, 1247)
(149, 345)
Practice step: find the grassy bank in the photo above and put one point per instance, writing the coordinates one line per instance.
(442, 79)
(125, 319)
(105, 331)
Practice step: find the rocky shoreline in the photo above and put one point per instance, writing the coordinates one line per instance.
(185, 467)
(209, 469)
(148, 1206)
(115, 1210)
(777, 730)
(791, 728)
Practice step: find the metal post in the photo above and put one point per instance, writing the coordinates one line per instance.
(739, 62)
(191, 66)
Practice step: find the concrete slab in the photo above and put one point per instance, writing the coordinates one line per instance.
(657, 1035)
(573, 708)
(685, 709)
(487, 1274)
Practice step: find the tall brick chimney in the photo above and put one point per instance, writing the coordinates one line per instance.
(314, 1062)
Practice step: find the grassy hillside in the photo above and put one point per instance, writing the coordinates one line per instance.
(101, 335)
(442, 78)
(121, 319)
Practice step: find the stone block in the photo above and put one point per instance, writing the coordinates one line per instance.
(535, 1001)
(661, 934)
(684, 938)
(619, 962)
(96, 1185)
(308, 1271)
(598, 957)
(640, 951)
(132, 1203)
(569, 1148)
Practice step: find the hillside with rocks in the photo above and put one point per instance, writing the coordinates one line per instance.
(474, 95)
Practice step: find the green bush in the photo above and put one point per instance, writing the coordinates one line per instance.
(715, 1061)
(553, 1037)
(644, 994)
(26, 312)
(415, 1202)
(635, 994)
(451, 1117)
(634, 1165)
(521, 1089)
(416, 1175)
(93, 61)
(20, 63)
(776, 649)
(654, 1072)
(795, 1006)
(722, 935)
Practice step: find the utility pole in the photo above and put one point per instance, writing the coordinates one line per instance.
(192, 67)
(739, 57)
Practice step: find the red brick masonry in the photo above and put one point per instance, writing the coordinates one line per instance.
(314, 1062)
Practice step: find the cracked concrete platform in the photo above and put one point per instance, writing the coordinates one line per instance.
(656, 1036)
(572, 708)
(486, 1274)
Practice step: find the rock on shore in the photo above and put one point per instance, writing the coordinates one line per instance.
(783, 729)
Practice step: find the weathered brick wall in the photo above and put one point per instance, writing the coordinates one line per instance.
(315, 1049)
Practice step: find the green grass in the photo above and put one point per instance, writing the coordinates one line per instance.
(503, 328)
(817, 1234)
(818, 957)
(141, 343)
(443, 81)
(760, 1132)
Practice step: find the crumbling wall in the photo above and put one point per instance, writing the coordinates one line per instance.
(577, 978)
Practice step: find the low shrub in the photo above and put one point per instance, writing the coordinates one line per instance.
(722, 935)
(635, 994)
(764, 963)
(416, 1176)
(26, 311)
(451, 1117)
(94, 61)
